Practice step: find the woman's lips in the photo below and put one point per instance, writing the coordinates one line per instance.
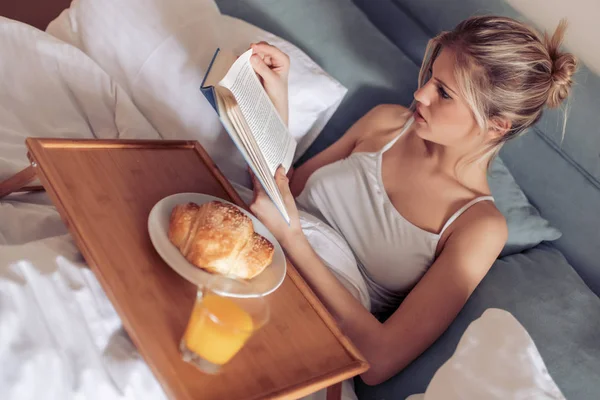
(418, 116)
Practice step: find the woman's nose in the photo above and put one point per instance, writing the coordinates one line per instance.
(423, 94)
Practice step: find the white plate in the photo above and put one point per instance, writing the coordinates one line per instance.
(158, 226)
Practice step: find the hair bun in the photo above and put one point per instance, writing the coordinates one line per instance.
(564, 66)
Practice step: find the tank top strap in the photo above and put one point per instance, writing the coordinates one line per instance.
(463, 209)
(389, 144)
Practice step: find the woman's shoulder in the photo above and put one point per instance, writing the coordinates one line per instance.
(388, 115)
(482, 225)
(382, 122)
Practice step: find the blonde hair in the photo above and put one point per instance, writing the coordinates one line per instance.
(505, 70)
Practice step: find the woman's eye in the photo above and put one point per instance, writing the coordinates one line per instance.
(443, 93)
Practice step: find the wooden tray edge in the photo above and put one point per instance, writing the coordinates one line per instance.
(306, 388)
(108, 143)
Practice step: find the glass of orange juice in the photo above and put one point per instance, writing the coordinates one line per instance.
(224, 317)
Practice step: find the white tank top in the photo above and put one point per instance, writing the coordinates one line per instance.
(392, 253)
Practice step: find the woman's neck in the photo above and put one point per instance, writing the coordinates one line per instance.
(459, 163)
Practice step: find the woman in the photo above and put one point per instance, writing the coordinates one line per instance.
(408, 189)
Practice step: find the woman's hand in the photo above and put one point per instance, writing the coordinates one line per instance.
(269, 215)
(273, 67)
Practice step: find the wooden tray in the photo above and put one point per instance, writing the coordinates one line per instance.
(104, 191)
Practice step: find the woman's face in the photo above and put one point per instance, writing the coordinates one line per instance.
(441, 115)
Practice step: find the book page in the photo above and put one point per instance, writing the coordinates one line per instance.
(269, 131)
(240, 132)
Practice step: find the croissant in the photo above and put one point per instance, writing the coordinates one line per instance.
(220, 239)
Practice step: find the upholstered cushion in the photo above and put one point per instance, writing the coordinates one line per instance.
(526, 228)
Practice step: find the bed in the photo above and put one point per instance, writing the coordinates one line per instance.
(346, 65)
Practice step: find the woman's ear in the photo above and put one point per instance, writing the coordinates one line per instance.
(499, 127)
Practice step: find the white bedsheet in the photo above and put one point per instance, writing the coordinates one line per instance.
(60, 338)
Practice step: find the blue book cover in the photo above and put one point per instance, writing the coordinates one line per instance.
(209, 91)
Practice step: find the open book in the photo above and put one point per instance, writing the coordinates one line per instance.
(250, 118)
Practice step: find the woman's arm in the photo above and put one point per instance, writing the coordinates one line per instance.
(428, 310)
(436, 300)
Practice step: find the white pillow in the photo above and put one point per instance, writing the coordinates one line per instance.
(496, 359)
(51, 89)
(158, 50)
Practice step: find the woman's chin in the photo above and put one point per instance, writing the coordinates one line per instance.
(422, 131)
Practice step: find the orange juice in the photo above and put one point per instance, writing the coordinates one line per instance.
(218, 328)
